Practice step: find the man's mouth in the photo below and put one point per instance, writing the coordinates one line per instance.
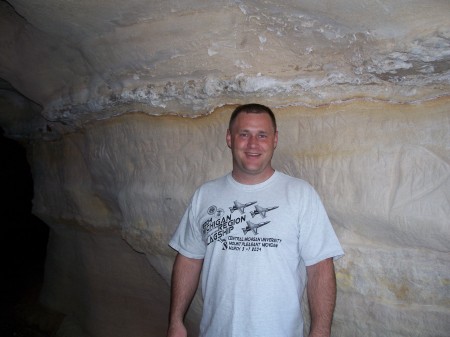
(250, 154)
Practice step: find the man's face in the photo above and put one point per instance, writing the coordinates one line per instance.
(252, 140)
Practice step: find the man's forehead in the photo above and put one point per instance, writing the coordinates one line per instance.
(257, 129)
(250, 129)
(253, 120)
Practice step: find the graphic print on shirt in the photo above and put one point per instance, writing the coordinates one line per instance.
(226, 228)
(241, 207)
(262, 211)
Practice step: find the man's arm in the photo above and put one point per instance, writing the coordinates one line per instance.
(185, 276)
(321, 288)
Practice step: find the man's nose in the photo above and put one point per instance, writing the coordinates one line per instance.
(252, 140)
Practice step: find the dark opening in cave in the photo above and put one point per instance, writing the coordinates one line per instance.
(23, 243)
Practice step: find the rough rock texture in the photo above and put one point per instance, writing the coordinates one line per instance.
(123, 106)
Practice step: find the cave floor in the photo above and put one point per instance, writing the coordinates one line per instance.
(21, 314)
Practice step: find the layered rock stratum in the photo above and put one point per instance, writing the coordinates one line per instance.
(123, 107)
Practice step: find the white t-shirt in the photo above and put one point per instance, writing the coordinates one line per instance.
(255, 241)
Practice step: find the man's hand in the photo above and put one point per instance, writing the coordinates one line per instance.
(178, 330)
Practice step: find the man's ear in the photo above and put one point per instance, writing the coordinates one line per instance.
(228, 138)
(275, 143)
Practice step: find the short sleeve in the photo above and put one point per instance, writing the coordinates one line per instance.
(317, 241)
(187, 239)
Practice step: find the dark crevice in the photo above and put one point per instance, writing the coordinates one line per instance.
(23, 242)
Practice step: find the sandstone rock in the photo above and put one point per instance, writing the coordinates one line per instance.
(124, 106)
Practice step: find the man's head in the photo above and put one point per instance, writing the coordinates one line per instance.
(252, 108)
(252, 138)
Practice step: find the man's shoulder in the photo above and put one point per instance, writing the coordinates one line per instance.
(214, 183)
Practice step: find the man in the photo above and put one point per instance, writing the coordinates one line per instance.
(254, 235)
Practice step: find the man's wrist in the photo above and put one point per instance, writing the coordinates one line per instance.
(319, 334)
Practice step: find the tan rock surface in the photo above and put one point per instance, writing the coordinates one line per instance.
(104, 94)
(134, 174)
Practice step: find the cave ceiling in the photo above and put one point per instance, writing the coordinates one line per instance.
(75, 61)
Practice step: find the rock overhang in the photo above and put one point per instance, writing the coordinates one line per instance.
(93, 60)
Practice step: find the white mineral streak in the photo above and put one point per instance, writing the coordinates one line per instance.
(362, 94)
(99, 60)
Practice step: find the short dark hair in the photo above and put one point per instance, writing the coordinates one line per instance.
(252, 108)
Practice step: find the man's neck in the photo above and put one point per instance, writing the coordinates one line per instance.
(250, 179)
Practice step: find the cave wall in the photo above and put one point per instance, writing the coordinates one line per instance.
(123, 109)
(381, 169)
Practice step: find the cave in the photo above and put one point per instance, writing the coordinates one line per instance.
(112, 113)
